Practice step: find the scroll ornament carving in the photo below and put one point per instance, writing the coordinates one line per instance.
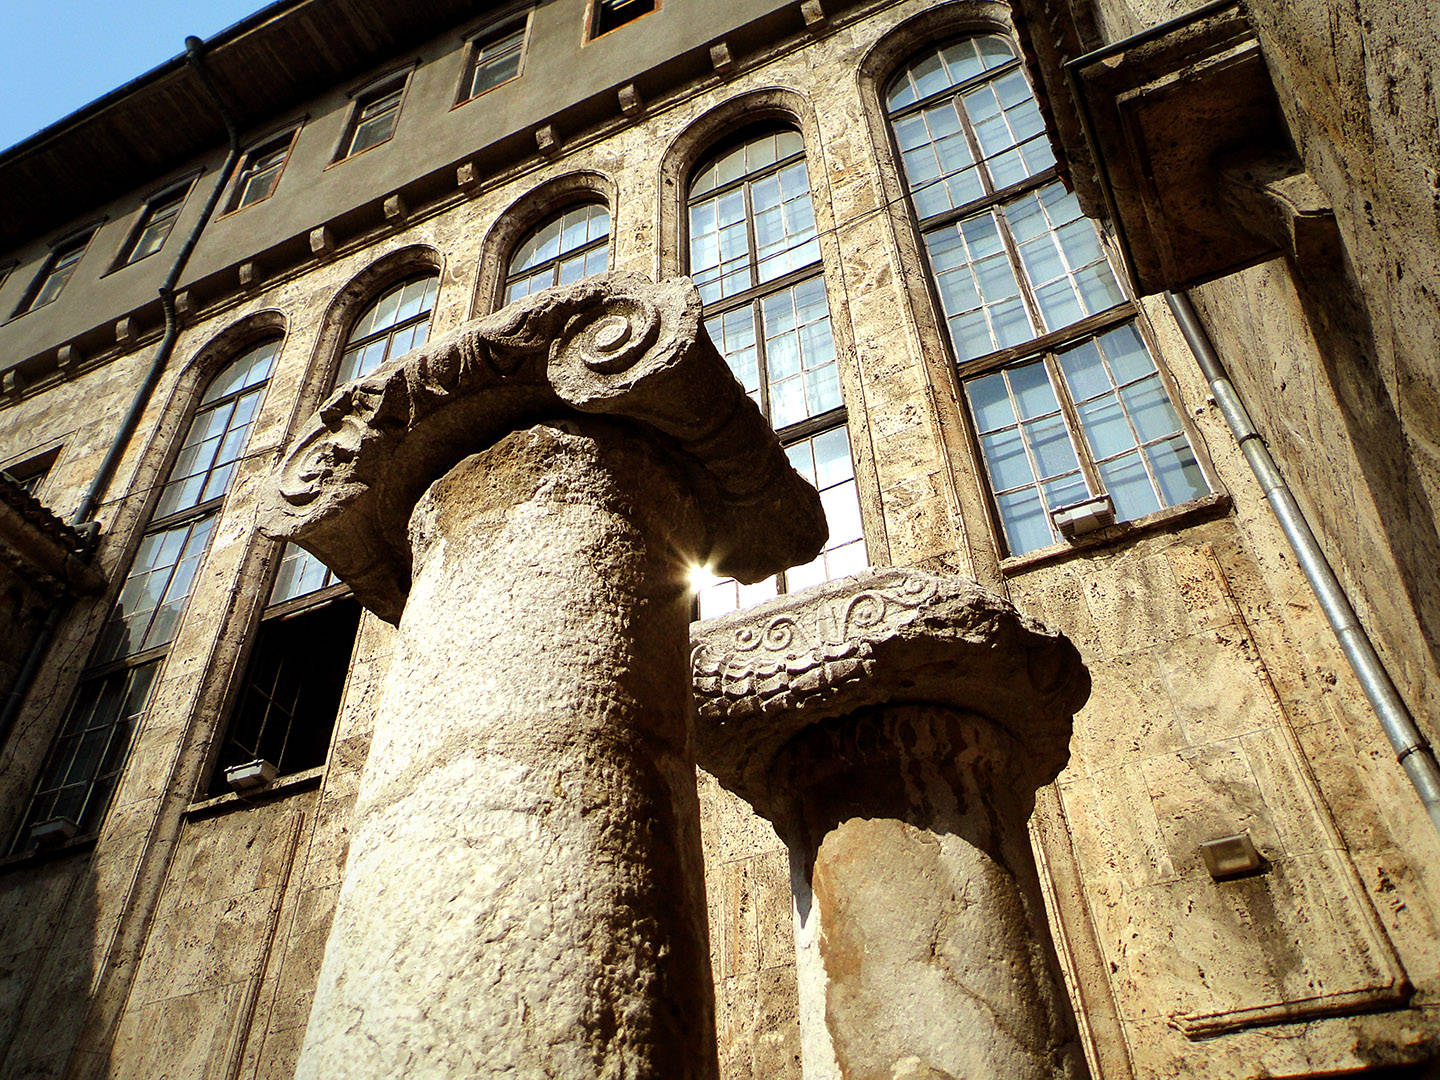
(614, 345)
(891, 636)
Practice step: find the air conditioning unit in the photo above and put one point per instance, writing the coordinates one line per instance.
(1080, 518)
(53, 833)
(252, 776)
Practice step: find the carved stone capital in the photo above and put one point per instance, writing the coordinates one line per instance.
(615, 345)
(765, 675)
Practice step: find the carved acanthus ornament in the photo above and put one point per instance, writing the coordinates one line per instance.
(614, 345)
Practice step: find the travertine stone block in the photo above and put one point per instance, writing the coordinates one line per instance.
(895, 727)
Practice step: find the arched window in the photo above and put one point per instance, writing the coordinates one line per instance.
(288, 699)
(567, 247)
(755, 256)
(1076, 428)
(391, 326)
(89, 751)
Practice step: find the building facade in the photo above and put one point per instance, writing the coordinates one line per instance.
(932, 241)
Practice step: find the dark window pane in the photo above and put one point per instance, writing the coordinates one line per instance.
(292, 691)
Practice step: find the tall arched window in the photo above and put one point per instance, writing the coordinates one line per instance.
(567, 247)
(755, 256)
(391, 326)
(285, 709)
(1075, 425)
(89, 751)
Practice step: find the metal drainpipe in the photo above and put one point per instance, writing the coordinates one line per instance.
(1411, 748)
(81, 520)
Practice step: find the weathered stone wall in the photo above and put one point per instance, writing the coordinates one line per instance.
(1220, 703)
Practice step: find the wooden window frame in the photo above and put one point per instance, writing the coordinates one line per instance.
(493, 34)
(1046, 344)
(245, 168)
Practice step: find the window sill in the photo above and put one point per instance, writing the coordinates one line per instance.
(37, 856)
(359, 153)
(487, 90)
(283, 787)
(1214, 505)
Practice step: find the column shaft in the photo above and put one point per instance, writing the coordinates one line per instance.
(933, 937)
(524, 893)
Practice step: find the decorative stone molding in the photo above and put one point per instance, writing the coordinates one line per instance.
(39, 549)
(765, 674)
(721, 59)
(631, 103)
(894, 727)
(322, 241)
(613, 345)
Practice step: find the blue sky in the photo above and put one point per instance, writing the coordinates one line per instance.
(59, 55)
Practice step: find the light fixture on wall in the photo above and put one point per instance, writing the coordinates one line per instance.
(250, 777)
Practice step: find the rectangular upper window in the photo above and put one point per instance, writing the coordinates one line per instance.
(373, 120)
(259, 172)
(607, 15)
(494, 59)
(59, 268)
(155, 225)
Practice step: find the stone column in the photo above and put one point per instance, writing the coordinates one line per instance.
(523, 894)
(894, 727)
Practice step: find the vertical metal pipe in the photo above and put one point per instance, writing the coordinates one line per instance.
(81, 518)
(1412, 750)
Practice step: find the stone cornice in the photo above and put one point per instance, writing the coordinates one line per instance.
(615, 345)
(37, 547)
(765, 674)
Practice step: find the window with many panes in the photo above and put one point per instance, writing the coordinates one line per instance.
(569, 246)
(494, 59)
(156, 222)
(56, 273)
(89, 750)
(1069, 408)
(373, 121)
(390, 327)
(289, 695)
(755, 256)
(260, 170)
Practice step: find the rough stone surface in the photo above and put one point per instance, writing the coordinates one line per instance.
(1219, 704)
(764, 674)
(523, 890)
(849, 714)
(612, 345)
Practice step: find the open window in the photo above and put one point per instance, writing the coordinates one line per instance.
(59, 268)
(289, 697)
(495, 58)
(607, 15)
(155, 225)
(260, 170)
